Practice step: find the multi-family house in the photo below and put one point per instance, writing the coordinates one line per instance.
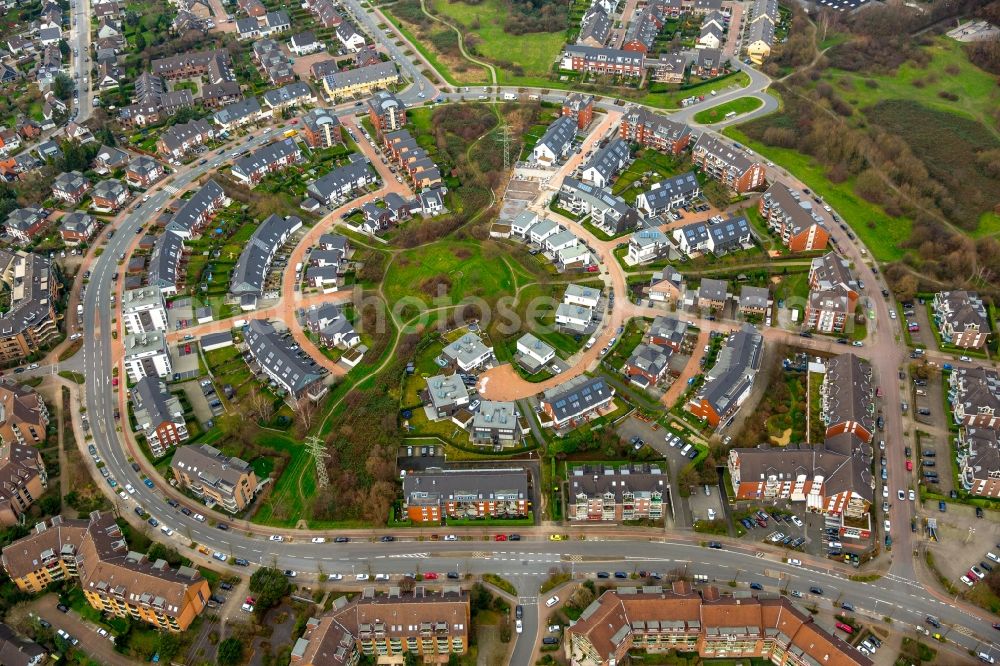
(142, 171)
(647, 365)
(611, 493)
(436, 494)
(76, 227)
(271, 158)
(467, 353)
(961, 318)
(108, 196)
(717, 236)
(762, 21)
(331, 326)
(159, 415)
(712, 294)
(668, 332)
(321, 129)
(24, 224)
(595, 27)
(16, 650)
(180, 139)
(667, 195)
(792, 217)
(386, 112)
(848, 397)
(342, 181)
(444, 396)
(599, 60)
(646, 245)
(974, 394)
(555, 143)
(114, 579)
(239, 114)
(978, 457)
(360, 81)
(109, 159)
(667, 286)
(754, 301)
(649, 129)
(668, 68)
(296, 93)
(70, 186)
(144, 310)
(281, 360)
(249, 277)
(497, 424)
(273, 62)
(576, 400)
(29, 323)
(608, 212)
(146, 355)
(606, 163)
(580, 108)
(726, 164)
(304, 43)
(833, 294)
(729, 382)
(215, 478)
(23, 422)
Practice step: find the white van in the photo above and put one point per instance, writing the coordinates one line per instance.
(590, 343)
(510, 97)
(835, 545)
(686, 450)
(381, 576)
(993, 557)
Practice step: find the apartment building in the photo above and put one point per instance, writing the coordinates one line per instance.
(754, 301)
(576, 400)
(762, 21)
(833, 294)
(974, 394)
(793, 218)
(444, 396)
(727, 165)
(978, 457)
(144, 310)
(143, 171)
(23, 478)
(729, 382)
(163, 269)
(651, 130)
(360, 81)
(113, 578)
(146, 355)
(657, 620)
(580, 108)
(281, 360)
(848, 395)
(608, 212)
(29, 324)
(611, 493)
(647, 245)
(600, 60)
(76, 227)
(431, 625)
(832, 478)
(215, 478)
(961, 318)
(554, 145)
(717, 236)
(272, 158)
(606, 163)
(321, 129)
(159, 415)
(387, 112)
(462, 493)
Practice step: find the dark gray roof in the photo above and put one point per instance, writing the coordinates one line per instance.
(436, 486)
(577, 395)
(151, 397)
(734, 370)
(33, 307)
(349, 175)
(848, 393)
(262, 158)
(637, 478)
(663, 193)
(275, 352)
(610, 159)
(614, 56)
(559, 135)
(237, 111)
(288, 94)
(190, 214)
(668, 328)
(167, 251)
(361, 75)
(250, 273)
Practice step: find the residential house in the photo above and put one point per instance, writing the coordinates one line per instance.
(606, 163)
(727, 165)
(668, 332)
(273, 62)
(23, 422)
(70, 186)
(142, 171)
(667, 286)
(848, 397)
(444, 396)
(755, 301)
(180, 139)
(759, 36)
(978, 457)
(974, 394)
(667, 195)
(146, 356)
(712, 294)
(532, 353)
(608, 212)
(709, 62)
(430, 496)
(468, 353)
(109, 159)
(579, 107)
(304, 43)
(24, 224)
(108, 196)
(15, 650)
(274, 157)
(350, 37)
(281, 360)
(651, 130)
(576, 401)
(330, 325)
(729, 382)
(599, 60)
(29, 322)
(290, 95)
(197, 211)
(555, 143)
(961, 318)
(215, 478)
(497, 424)
(76, 227)
(115, 580)
(595, 27)
(342, 181)
(668, 68)
(717, 236)
(239, 114)
(321, 129)
(360, 81)
(164, 262)
(609, 493)
(386, 112)
(587, 297)
(159, 415)
(792, 217)
(647, 365)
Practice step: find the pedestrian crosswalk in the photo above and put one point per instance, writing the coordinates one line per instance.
(409, 556)
(170, 189)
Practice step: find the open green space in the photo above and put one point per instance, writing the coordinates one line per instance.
(880, 232)
(534, 53)
(737, 106)
(649, 166)
(445, 272)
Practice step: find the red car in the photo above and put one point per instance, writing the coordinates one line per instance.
(114, 381)
(187, 349)
(500, 537)
(845, 627)
(909, 465)
(430, 575)
(251, 601)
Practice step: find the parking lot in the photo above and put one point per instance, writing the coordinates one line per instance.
(915, 313)
(963, 539)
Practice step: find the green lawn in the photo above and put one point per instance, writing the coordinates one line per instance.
(738, 106)
(535, 52)
(446, 272)
(883, 234)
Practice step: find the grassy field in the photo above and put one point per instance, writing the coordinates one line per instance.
(657, 165)
(454, 269)
(882, 233)
(717, 113)
(535, 52)
(949, 71)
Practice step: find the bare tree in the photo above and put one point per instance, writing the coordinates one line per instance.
(263, 406)
(305, 414)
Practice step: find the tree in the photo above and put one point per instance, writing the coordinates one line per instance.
(64, 48)
(410, 659)
(62, 87)
(140, 43)
(269, 585)
(168, 644)
(230, 652)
